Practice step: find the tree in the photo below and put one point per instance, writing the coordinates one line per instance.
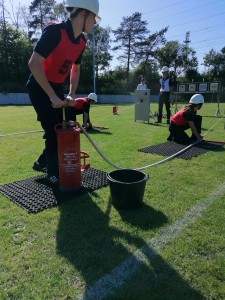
(147, 70)
(42, 12)
(3, 17)
(23, 19)
(102, 57)
(215, 61)
(132, 31)
(113, 82)
(147, 50)
(15, 50)
(14, 15)
(193, 75)
(60, 12)
(177, 56)
(102, 48)
(3, 38)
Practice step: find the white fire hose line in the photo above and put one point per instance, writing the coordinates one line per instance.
(137, 169)
(110, 282)
(148, 166)
(151, 165)
(97, 149)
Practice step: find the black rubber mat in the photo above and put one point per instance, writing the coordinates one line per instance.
(36, 194)
(170, 148)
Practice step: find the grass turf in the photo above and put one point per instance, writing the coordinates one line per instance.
(60, 252)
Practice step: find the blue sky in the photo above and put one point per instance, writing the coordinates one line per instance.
(204, 19)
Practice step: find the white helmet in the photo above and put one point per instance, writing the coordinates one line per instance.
(93, 97)
(197, 99)
(165, 69)
(91, 5)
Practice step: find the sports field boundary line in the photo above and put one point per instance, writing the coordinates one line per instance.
(117, 277)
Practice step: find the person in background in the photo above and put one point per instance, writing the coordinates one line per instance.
(187, 118)
(142, 85)
(82, 106)
(57, 54)
(166, 88)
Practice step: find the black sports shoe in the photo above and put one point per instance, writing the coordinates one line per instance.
(53, 179)
(39, 167)
(170, 137)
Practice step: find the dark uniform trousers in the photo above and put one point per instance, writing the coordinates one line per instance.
(164, 97)
(178, 132)
(71, 114)
(48, 117)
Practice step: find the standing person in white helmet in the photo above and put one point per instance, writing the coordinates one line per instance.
(166, 88)
(187, 118)
(57, 54)
(82, 106)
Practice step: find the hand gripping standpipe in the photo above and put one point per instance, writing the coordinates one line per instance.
(69, 156)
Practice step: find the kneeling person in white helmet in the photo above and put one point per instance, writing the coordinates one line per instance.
(82, 106)
(187, 118)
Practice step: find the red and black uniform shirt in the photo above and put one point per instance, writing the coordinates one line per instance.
(82, 104)
(183, 116)
(60, 50)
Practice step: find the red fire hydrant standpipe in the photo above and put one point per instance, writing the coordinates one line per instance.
(69, 156)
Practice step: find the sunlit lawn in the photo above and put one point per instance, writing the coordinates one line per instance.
(60, 252)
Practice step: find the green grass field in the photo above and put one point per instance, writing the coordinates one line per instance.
(64, 251)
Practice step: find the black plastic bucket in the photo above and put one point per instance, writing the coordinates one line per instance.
(127, 188)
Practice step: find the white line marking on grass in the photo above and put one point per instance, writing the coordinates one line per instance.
(112, 281)
(22, 132)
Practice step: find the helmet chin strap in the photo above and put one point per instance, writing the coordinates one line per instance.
(84, 27)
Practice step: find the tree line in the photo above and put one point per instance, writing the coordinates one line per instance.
(140, 52)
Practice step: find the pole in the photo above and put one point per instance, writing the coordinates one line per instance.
(93, 59)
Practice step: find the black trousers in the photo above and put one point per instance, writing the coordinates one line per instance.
(178, 132)
(164, 98)
(71, 114)
(48, 117)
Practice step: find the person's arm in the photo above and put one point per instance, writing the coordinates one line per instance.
(194, 130)
(74, 79)
(89, 121)
(86, 117)
(35, 66)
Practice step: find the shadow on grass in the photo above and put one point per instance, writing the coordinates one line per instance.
(85, 238)
(145, 217)
(159, 281)
(95, 245)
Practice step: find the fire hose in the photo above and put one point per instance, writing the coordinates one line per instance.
(148, 166)
(137, 169)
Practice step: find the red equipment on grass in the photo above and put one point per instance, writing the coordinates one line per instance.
(69, 156)
(115, 110)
